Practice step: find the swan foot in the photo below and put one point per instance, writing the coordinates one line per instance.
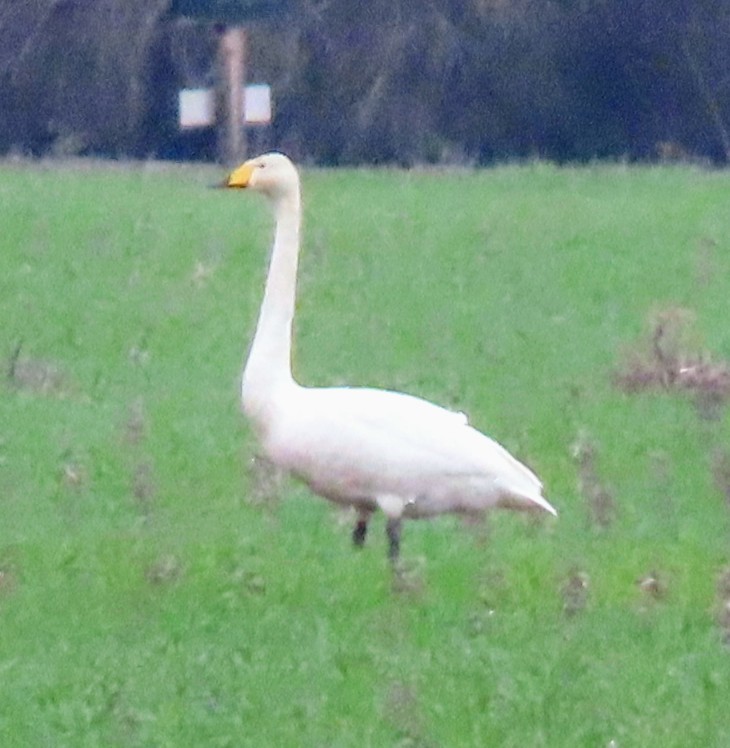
(360, 532)
(393, 531)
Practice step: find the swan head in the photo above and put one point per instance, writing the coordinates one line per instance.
(272, 174)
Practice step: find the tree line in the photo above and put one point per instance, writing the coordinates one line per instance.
(388, 81)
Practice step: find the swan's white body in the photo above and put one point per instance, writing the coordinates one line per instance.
(362, 447)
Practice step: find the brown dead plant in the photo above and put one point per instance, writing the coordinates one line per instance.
(671, 359)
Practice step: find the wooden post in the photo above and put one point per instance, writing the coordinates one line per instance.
(231, 80)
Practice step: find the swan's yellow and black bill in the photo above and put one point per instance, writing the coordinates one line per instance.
(240, 177)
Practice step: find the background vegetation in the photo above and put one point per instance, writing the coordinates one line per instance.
(442, 81)
(157, 589)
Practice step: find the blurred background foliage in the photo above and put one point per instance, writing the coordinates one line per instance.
(388, 81)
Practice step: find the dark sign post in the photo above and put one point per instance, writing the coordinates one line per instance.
(230, 81)
(230, 16)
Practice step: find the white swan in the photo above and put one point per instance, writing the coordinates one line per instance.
(367, 448)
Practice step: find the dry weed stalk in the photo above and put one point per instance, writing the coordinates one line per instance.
(266, 482)
(721, 475)
(409, 578)
(575, 592)
(600, 502)
(8, 579)
(402, 709)
(135, 428)
(165, 570)
(74, 475)
(143, 485)
(723, 595)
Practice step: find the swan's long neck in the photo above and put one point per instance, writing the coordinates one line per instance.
(268, 367)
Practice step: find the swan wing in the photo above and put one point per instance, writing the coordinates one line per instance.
(354, 444)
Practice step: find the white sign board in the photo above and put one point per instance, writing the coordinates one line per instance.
(196, 106)
(257, 104)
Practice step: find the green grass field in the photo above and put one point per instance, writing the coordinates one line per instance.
(155, 590)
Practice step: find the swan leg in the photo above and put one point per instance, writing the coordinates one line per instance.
(393, 531)
(361, 528)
